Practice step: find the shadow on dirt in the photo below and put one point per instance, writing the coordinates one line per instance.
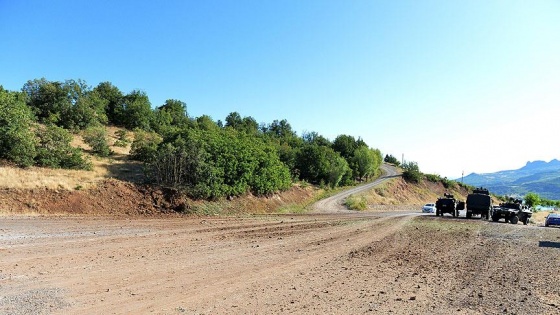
(126, 170)
(549, 244)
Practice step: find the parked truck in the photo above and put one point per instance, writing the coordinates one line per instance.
(479, 202)
(448, 204)
(512, 211)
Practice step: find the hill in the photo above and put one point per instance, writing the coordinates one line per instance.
(539, 177)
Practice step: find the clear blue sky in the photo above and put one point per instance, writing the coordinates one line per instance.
(456, 86)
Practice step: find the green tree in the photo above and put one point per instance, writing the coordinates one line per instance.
(532, 199)
(70, 104)
(250, 125)
(219, 162)
(313, 137)
(114, 99)
(54, 149)
(96, 138)
(145, 145)
(392, 160)
(412, 172)
(321, 164)
(138, 111)
(205, 122)
(366, 162)
(345, 145)
(280, 129)
(17, 141)
(170, 117)
(234, 120)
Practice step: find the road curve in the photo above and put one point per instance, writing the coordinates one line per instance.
(335, 204)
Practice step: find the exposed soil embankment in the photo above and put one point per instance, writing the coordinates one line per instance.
(114, 197)
(111, 197)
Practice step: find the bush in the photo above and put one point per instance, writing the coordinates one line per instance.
(412, 176)
(391, 160)
(96, 137)
(447, 183)
(54, 149)
(412, 172)
(433, 178)
(356, 202)
(145, 145)
(17, 141)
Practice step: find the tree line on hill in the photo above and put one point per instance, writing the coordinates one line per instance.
(204, 158)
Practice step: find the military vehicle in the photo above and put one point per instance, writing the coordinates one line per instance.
(512, 212)
(479, 203)
(448, 204)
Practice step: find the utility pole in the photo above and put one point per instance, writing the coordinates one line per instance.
(462, 175)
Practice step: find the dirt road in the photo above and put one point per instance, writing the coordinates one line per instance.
(305, 264)
(334, 204)
(330, 262)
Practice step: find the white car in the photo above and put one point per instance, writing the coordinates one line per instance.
(429, 208)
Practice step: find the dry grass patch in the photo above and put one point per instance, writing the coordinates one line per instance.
(397, 194)
(116, 166)
(34, 177)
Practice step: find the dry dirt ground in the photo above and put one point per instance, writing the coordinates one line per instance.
(343, 263)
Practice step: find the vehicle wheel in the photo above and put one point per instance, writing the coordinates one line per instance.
(514, 220)
(469, 215)
(495, 218)
(454, 213)
(526, 221)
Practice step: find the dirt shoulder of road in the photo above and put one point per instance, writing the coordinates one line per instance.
(360, 263)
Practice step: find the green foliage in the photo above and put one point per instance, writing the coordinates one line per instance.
(206, 158)
(346, 145)
(356, 202)
(145, 145)
(532, 199)
(17, 141)
(205, 122)
(392, 160)
(215, 164)
(70, 104)
(137, 112)
(447, 183)
(315, 138)
(433, 178)
(54, 149)
(550, 203)
(412, 172)
(280, 130)
(122, 138)
(287, 143)
(246, 125)
(367, 162)
(96, 137)
(114, 100)
(317, 163)
(170, 117)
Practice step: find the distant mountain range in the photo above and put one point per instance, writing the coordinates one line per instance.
(539, 177)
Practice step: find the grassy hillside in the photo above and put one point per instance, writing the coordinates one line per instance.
(119, 180)
(117, 166)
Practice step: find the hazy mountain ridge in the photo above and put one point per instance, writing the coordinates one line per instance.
(539, 177)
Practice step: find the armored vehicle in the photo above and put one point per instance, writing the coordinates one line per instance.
(448, 204)
(479, 203)
(512, 212)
